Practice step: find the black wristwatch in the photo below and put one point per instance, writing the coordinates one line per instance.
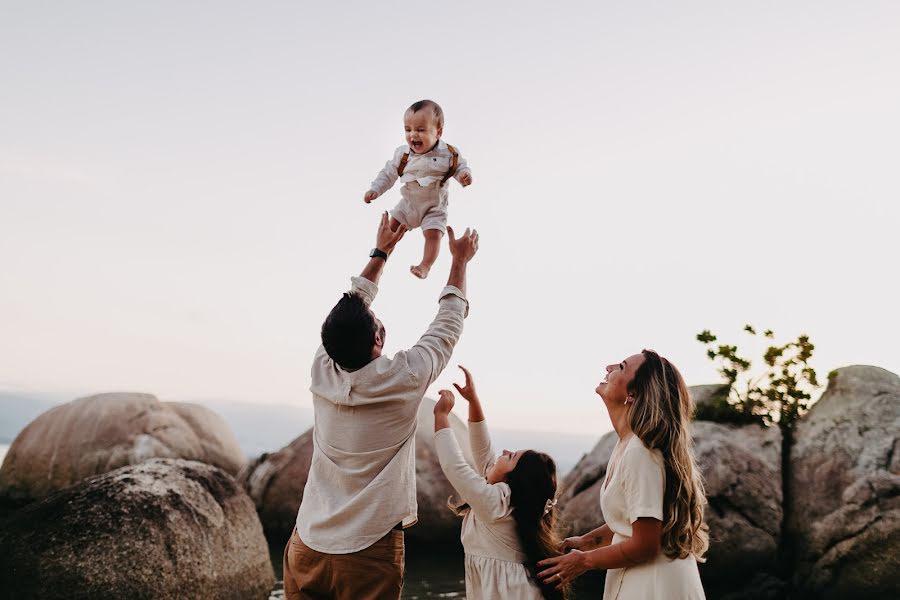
(379, 253)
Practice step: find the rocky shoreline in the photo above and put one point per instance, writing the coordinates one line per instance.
(824, 523)
(121, 495)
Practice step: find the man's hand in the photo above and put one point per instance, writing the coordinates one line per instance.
(369, 196)
(445, 403)
(466, 178)
(464, 247)
(387, 239)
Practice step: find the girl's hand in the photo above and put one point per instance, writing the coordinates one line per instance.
(561, 570)
(574, 543)
(465, 179)
(445, 403)
(468, 392)
(370, 195)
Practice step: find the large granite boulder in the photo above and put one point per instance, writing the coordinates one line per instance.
(844, 489)
(703, 395)
(96, 434)
(157, 530)
(742, 469)
(579, 496)
(276, 482)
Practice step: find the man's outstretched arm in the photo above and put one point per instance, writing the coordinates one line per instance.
(366, 284)
(462, 250)
(385, 241)
(432, 352)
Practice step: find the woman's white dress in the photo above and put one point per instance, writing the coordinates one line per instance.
(494, 558)
(635, 489)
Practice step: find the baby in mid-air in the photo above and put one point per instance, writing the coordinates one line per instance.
(424, 165)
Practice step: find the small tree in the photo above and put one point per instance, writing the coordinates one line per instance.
(779, 394)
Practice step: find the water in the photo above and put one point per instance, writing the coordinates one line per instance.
(437, 573)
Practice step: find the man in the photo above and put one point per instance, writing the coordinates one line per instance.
(361, 491)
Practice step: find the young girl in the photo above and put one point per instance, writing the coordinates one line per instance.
(507, 506)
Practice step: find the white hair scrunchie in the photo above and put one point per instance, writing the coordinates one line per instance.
(549, 505)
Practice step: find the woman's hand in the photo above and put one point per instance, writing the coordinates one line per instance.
(561, 570)
(468, 391)
(577, 542)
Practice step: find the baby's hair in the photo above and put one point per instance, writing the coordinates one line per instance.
(435, 110)
(532, 484)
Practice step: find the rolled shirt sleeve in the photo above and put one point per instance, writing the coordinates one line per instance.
(461, 169)
(430, 355)
(480, 443)
(388, 175)
(363, 288)
(489, 501)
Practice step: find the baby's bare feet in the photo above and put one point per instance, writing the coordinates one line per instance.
(420, 271)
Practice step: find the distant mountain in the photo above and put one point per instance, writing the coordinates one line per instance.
(18, 408)
(263, 428)
(258, 427)
(565, 448)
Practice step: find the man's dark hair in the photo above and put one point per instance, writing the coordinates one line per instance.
(435, 110)
(348, 332)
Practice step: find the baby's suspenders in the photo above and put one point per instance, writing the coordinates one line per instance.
(405, 158)
(453, 166)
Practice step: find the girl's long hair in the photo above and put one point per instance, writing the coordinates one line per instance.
(660, 416)
(533, 483)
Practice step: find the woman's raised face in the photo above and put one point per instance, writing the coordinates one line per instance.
(614, 387)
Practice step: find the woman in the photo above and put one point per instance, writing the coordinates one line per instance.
(652, 497)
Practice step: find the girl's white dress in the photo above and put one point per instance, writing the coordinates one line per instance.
(635, 489)
(494, 558)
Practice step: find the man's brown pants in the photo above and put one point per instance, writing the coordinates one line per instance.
(374, 573)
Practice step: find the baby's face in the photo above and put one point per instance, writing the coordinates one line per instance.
(421, 131)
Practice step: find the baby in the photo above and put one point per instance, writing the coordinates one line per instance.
(424, 165)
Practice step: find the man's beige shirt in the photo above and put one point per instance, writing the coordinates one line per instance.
(362, 481)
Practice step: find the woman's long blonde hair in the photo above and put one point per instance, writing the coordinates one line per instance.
(660, 416)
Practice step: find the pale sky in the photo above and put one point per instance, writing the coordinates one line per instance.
(181, 188)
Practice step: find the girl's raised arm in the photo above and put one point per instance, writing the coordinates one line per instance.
(489, 502)
(479, 438)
